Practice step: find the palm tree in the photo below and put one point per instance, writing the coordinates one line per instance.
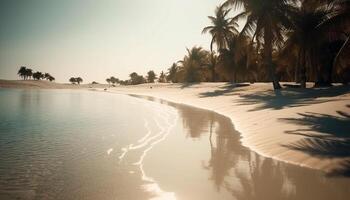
(79, 80)
(306, 37)
(339, 24)
(151, 76)
(265, 20)
(22, 72)
(193, 64)
(222, 28)
(236, 58)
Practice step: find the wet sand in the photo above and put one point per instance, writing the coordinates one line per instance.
(203, 159)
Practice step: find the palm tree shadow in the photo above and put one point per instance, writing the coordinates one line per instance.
(291, 97)
(186, 85)
(332, 140)
(227, 88)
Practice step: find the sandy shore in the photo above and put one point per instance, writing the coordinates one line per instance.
(307, 127)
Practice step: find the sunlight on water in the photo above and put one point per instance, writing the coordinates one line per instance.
(165, 121)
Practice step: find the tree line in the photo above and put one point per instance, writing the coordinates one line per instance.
(281, 40)
(27, 74)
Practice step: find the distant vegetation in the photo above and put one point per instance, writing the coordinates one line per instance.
(291, 40)
(77, 80)
(27, 74)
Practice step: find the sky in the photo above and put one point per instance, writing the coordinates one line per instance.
(96, 39)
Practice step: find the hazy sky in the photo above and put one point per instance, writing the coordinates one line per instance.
(95, 39)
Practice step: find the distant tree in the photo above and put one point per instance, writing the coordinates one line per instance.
(28, 73)
(22, 72)
(136, 79)
(162, 77)
(108, 80)
(94, 82)
(51, 78)
(151, 76)
(114, 80)
(47, 76)
(72, 80)
(79, 80)
(38, 75)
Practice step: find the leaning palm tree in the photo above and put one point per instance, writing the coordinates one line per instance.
(222, 28)
(265, 21)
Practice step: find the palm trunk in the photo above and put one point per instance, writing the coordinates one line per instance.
(268, 59)
(213, 76)
(303, 69)
(298, 67)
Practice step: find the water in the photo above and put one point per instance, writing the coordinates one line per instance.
(66, 144)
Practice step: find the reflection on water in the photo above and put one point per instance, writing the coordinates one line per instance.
(92, 145)
(243, 174)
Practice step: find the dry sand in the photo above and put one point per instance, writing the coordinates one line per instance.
(309, 127)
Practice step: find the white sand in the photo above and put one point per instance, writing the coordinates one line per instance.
(260, 115)
(271, 123)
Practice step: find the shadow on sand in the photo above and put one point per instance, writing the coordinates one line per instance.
(291, 97)
(333, 140)
(224, 90)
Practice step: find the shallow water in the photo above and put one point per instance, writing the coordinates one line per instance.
(65, 144)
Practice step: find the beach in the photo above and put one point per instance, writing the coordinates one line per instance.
(306, 127)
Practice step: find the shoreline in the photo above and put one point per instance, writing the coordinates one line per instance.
(299, 126)
(255, 136)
